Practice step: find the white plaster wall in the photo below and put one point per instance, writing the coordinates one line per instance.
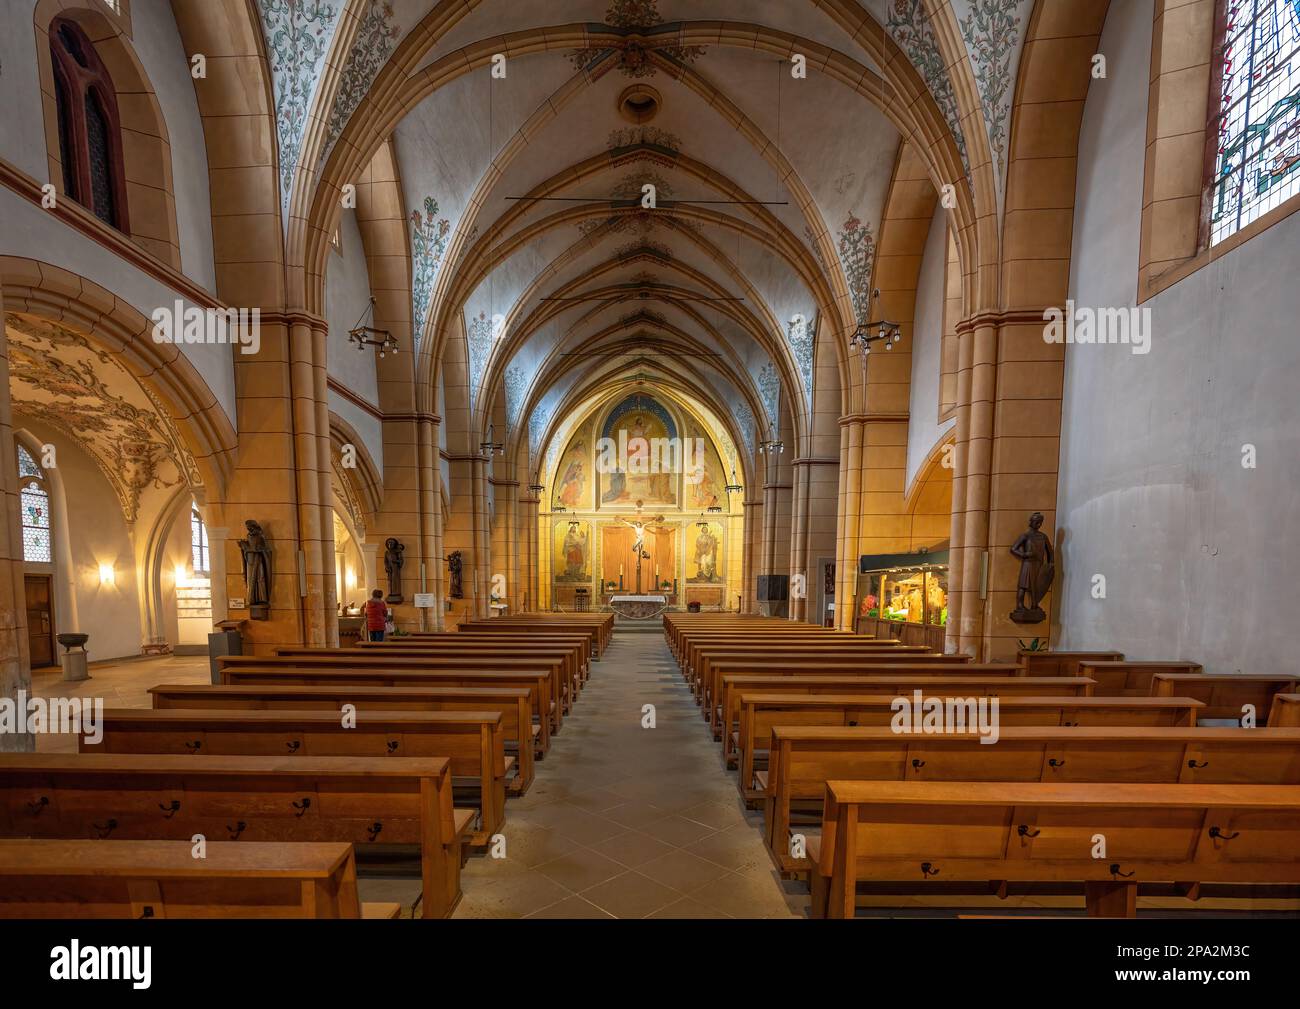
(110, 614)
(22, 127)
(923, 428)
(347, 295)
(27, 230)
(1199, 553)
(158, 44)
(366, 424)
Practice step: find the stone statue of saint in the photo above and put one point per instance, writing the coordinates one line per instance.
(1037, 569)
(454, 563)
(256, 553)
(393, 562)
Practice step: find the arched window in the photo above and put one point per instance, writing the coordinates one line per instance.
(199, 545)
(90, 137)
(34, 499)
(1257, 127)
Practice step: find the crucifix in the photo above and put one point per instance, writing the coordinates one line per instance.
(639, 526)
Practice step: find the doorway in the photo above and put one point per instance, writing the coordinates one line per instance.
(40, 620)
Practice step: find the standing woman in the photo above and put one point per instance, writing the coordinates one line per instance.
(376, 615)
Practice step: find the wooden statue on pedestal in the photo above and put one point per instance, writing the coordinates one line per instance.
(393, 561)
(1037, 569)
(256, 553)
(455, 565)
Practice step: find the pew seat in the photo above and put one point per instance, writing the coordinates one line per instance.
(471, 740)
(998, 833)
(370, 802)
(1227, 695)
(163, 879)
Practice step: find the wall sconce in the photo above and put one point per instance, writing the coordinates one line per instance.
(350, 578)
(107, 576)
(182, 575)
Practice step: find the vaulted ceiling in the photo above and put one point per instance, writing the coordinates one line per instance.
(537, 268)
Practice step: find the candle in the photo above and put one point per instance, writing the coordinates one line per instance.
(620, 570)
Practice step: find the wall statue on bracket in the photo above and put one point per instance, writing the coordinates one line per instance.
(393, 562)
(1037, 569)
(455, 565)
(256, 553)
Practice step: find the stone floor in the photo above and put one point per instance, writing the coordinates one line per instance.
(631, 822)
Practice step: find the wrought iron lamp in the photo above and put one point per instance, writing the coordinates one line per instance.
(491, 447)
(876, 331)
(368, 336)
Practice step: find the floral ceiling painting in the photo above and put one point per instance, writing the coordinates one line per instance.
(429, 236)
(58, 378)
(857, 249)
(993, 31)
(909, 26)
(298, 34)
(375, 41)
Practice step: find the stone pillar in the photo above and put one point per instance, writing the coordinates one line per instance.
(982, 334)
(958, 561)
(529, 560)
(753, 533)
(852, 434)
(15, 660)
(799, 540)
(481, 559)
(311, 537)
(431, 547)
(331, 560)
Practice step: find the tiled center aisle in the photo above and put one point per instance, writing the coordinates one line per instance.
(629, 822)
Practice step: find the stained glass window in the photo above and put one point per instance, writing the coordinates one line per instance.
(35, 505)
(1257, 165)
(199, 543)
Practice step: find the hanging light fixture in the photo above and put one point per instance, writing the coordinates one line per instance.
(773, 445)
(368, 336)
(876, 331)
(491, 447)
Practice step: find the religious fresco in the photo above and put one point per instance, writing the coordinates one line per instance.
(637, 430)
(573, 475)
(704, 553)
(572, 551)
(705, 476)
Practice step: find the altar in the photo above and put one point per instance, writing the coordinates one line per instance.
(638, 607)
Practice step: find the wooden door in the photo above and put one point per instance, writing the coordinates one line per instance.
(40, 620)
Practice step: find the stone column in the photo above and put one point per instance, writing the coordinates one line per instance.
(799, 540)
(311, 537)
(983, 337)
(15, 660)
(331, 560)
(753, 554)
(852, 433)
(431, 547)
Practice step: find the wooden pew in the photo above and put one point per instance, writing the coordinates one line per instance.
(472, 740)
(1285, 712)
(571, 662)
(803, 759)
(162, 879)
(578, 646)
(599, 626)
(761, 711)
(1226, 695)
(371, 802)
(1051, 663)
(968, 680)
(511, 703)
(538, 685)
(556, 663)
(719, 666)
(705, 658)
(1130, 679)
(929, 832)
